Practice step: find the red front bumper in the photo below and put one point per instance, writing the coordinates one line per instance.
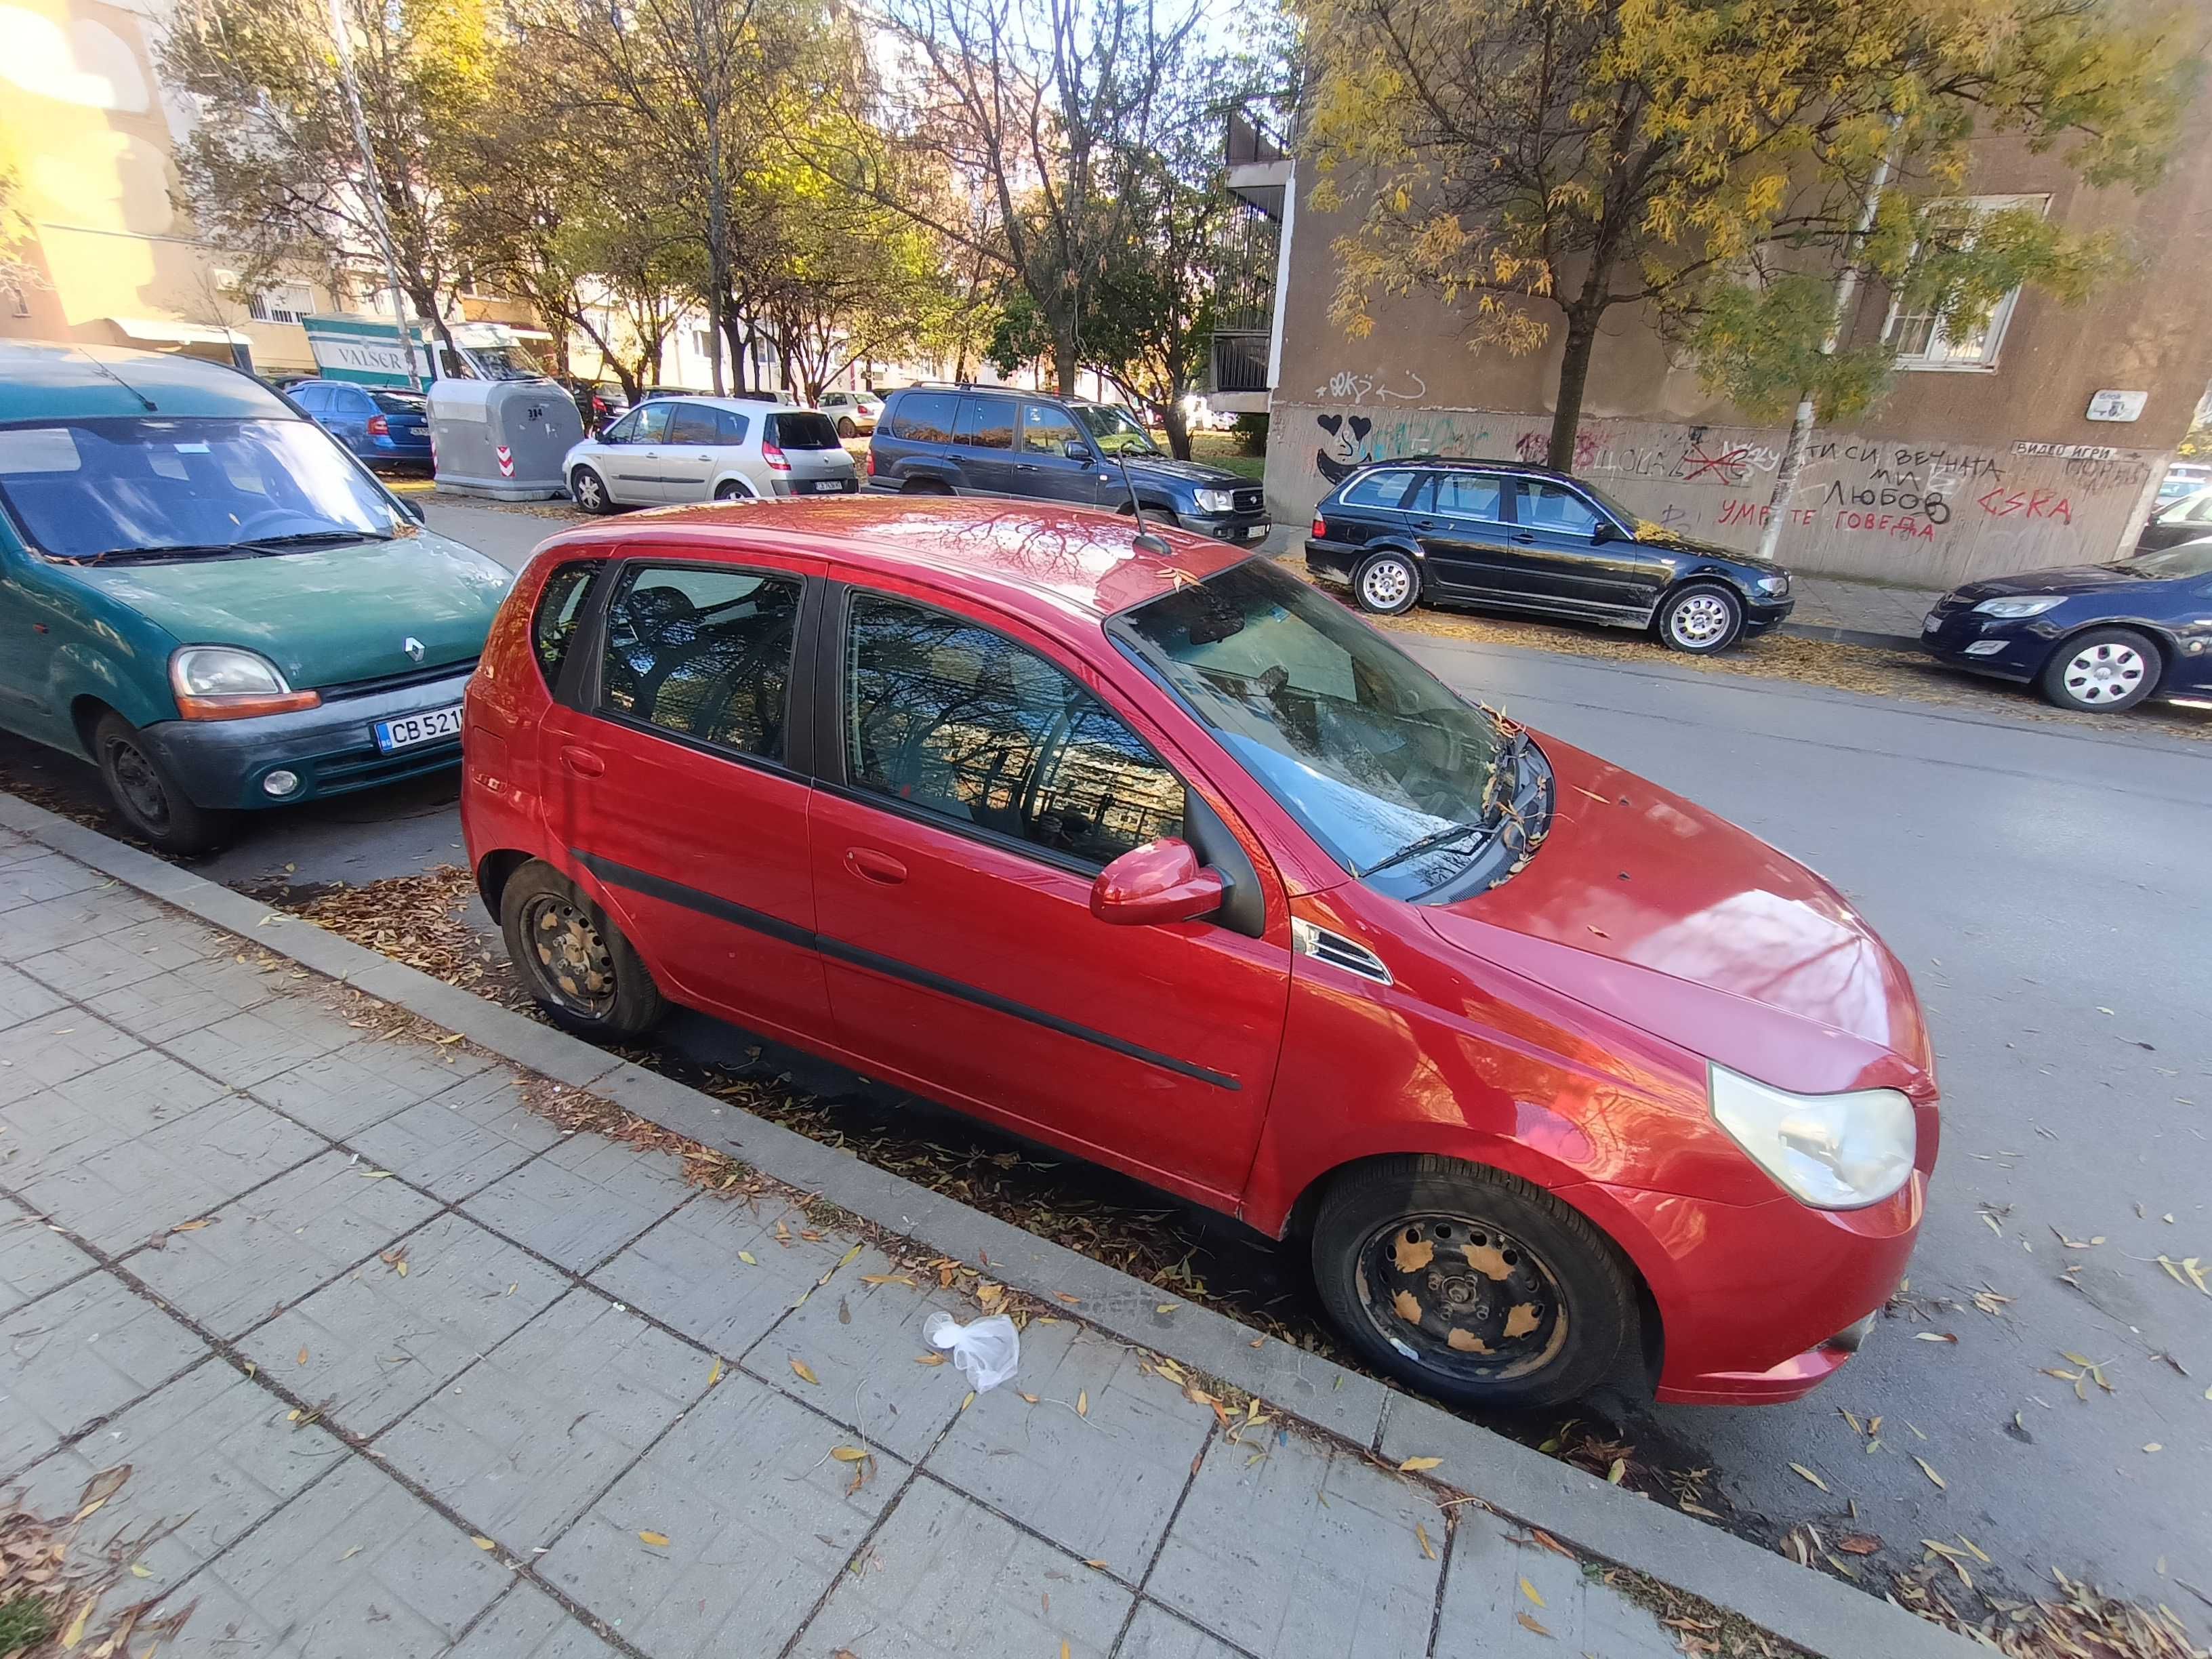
(1752, 1297)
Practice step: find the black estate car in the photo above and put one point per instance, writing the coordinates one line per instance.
(1002, 441)
(1506, 536)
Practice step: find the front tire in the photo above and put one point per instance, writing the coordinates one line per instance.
(1387, 585)
(1474, 1286)
(1700, 619)
(149, 799)
(583, 973)
(589, 491)
(2101, 671)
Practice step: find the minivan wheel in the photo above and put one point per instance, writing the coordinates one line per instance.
(846, 428)
(2101, 671)
(589, 491)
(730, 490)
(148, 799)
(581, 968)
(1387, 585)
(1474, 1286)
(1700, 619)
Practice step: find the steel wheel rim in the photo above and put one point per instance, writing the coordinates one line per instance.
(1699, 620)
(2104, 673)
(1386, 584)
(568, 956)
(1461, 1298)
(143, 794)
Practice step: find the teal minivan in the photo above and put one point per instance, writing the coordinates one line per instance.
(205, 596)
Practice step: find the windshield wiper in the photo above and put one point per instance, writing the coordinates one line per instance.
(255, 545)
(1442, 837)
(300, 538)
(1498, 795)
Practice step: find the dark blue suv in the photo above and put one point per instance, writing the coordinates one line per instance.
(1001, 440)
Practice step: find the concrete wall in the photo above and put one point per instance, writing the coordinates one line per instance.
(1959, 473)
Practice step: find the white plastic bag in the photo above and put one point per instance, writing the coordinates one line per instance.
(986, 1352)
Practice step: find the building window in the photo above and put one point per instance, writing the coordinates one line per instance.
(286, 303)
(1921, 337)
(703, 343)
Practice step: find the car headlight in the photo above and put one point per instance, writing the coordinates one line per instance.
(1215, 500)
(1775, 586)
(224, 683)
(1834, 1151)
(2023, 607)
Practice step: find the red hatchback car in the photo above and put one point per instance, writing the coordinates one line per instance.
(1145, 849)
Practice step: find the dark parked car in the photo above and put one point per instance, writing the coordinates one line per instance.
(597, 402)
(981, 440)
(2175, 522)
(2100, 637)
(1513, 538)
(385, 428)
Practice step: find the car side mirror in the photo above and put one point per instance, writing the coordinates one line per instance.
(1601, 532)
(1076, 450)
(1160, 881)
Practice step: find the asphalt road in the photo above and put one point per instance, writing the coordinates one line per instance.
(2051, 892)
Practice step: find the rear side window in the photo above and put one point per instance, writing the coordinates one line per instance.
(398, 403)
(733, 425)
(315, 399)
(1471, 496)
(560, 605)
(924, 418)
(703, 653)
(1389, 488)
(986, 423)
(802, 429)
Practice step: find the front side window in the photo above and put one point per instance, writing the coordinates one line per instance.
(1361, 744)
(1047, 430)
(1115, 430)
(1555, 507)
(560, 606)
(649, 424)
(703, 653)
(132, 487)
(926, 417)
(986, 423)
(945, 714)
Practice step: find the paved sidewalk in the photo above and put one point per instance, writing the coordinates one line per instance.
(400, 1367)
(1857, 607)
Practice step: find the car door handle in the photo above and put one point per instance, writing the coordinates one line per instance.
(1523, 536)
(582, 762)
(1426, 524)
(871, 865)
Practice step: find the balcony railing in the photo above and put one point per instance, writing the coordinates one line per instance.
(1239, 361)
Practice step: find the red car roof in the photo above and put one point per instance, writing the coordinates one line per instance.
(1071, 558)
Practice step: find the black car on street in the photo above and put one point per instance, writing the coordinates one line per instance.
(1506, 536)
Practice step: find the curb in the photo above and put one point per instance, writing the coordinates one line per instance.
(1851, 636)
(1819, 1614)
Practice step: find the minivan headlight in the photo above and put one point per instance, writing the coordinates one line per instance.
(1834, 1151)
(224, 682)
(2035, 607)
(1215, 500)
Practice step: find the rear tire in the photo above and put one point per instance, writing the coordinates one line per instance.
(846, 428)
(1472, 1285)
(589, 491)
(1700, 619)
(2101, 671)
(583, 973)
(926, 486)
(729, 491)
(149, 799)
(1387, 585)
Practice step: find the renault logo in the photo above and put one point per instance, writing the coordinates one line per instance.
(412, 647)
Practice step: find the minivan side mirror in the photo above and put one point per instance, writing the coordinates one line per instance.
(1160, 881)
(1076, 450)
(1601, 532)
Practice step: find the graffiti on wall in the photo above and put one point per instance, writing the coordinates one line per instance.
(1948, 511)
(1349, 386)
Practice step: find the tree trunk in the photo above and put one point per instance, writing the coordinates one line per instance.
(1065, 366)
(1178, 430)
(1574, 376)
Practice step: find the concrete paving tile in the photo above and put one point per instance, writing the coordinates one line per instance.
(160, 1010)
(759, 1519)
(34, 1259)
(77, 1354)
(341, 1093)
(1101, 1485)
(945, 1578)
(865, 1364)
(264, 1251)
(61, 1127)
(528, 1624)
(184, 1168)
(524, 1440)
(458, 1142)
(66, 1043)
(379, 1344)
(209, 1455)
(1307, 1550)
(1156, 1633)
(690, 1274)
(42, 876)
(1483, 1603)
(583, 1200)
(87, 968)
(54, 922)
(353, 1568)
(22, 999)
(252, 1046)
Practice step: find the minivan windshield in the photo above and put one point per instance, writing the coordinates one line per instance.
(1365, 747)
(156, 487)
(1115, 429)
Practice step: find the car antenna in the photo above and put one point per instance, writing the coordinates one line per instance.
(1145, 541)
(152, 408)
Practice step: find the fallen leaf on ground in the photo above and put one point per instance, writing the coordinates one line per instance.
(1529, 1590)
(302, 1358)
(889, 1279)
(1934, 1336)
(1810, 1476)
(850, 1454)
(968, 1400)
(805, 1372)
(749, 1258)
(715, 1376)
(1422, 1532)
(1082, 1403)
(484, 1543)
(1858, 1543)
(1167, 1307)
(929, 1360)
(1527, 1623)
(1929, 1469)
(1415, 1465)
(658, 1540)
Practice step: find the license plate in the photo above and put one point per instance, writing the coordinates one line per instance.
(1932, 623)
(829, 486)
(406, 730)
